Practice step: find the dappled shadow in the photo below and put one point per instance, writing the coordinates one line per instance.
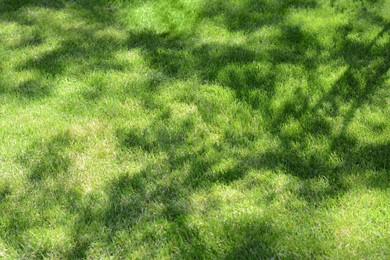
(232, 66)
(179, 154)
(135, 201)
(13, 6)
(48, 159)
(249, 72)
(258, 241)
(366, 73)
(29, 89)
(48, 190)
(250, 15)
(82, 50)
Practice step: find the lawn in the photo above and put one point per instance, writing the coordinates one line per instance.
(201, 129)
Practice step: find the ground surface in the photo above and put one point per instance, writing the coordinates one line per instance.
(194, 128)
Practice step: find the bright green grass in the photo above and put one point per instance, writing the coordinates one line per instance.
(194, 129)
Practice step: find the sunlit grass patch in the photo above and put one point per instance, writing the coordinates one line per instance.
(352, 230)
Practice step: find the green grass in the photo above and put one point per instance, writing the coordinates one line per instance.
(194, 129)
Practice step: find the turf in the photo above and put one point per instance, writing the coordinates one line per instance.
(194, 129)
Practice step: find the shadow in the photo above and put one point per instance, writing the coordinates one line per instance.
(48, 160)
(366, 73)
(181, 152)
(30, 89)
(33, 40)
(256, 241)
(131, 201)
(233, 67)
(211, 63)
(33, 89)
(48, 189)
(5, 191)
(250, 15)
(14, 6)
(249, 72)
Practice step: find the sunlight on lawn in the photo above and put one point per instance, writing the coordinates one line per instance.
(194, 129)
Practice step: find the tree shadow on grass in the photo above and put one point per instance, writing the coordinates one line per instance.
(13, 6)
(47, 190)
(30, 89)
(250, 15)
(365, 74)
(162, 191)
(52, 161)
(367, 64)
(79, 50)
(135, 202)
